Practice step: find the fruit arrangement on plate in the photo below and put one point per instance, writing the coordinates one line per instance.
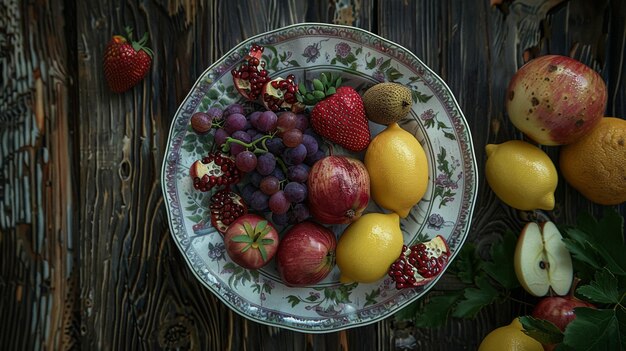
(318, 177)
(291, 181)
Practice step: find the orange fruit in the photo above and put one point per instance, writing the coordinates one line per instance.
(595, 165)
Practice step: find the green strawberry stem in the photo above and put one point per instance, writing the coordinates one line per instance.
(141, 44)
(321, 88)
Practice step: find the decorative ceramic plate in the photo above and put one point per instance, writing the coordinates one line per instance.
(362, 59)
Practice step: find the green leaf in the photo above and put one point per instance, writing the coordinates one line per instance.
(385, 65)
(597, 329)
(318, 85)
(371, 63)
(267, 241)
(302, 88)
(603, 289)
(294, 63)
(501, 268)
(475, 299)
(293, 300)
(195, 218)
(263, 252)
(467, 264)
(248, 228)
(213, 94)
(436, 310)
(541, 330)
(241, 239)
(323, 79)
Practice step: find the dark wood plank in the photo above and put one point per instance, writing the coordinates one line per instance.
(37, 194)
(476, 48)
(81, 166)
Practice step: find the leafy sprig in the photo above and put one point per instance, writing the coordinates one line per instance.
(598, 252)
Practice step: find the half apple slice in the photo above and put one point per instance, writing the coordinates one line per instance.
(542, 260)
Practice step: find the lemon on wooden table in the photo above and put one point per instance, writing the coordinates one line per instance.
(522, 175)
(509, 338)
(398, 169)
(368, 246)
(595, 165)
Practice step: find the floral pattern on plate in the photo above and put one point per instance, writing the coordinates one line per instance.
(363, 59)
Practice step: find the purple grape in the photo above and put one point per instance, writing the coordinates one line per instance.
(266, 163)
(269, 185)
(292, 138)
(259, 201)
(220, 136)
(294, 155)
(278, 173)
(215, 113)
(254, 117)
(278, 203)
(310, 143)
(298, 173)
(255, 178)
(275, 146)
(246, 161)
(235, 122)
(280, 219)
(310, 160)
(300, 212)
(286, 121)
(266, 122)
(302, 122)
(295, 192)
(246, 192)
(236, 148)
(232, 108)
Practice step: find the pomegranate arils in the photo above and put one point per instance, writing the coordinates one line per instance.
(420, 263)
(250, 77)
(280, 93)
(213, 170)
(226, 206)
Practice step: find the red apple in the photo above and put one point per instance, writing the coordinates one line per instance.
(251, 241)
(559, 309)
(306, 254)
(555, 100)
(338, 189)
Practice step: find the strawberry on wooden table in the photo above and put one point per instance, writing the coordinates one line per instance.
(126, 62)
(339, 115)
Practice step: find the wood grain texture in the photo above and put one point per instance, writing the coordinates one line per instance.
(37, 195)
(88, 261)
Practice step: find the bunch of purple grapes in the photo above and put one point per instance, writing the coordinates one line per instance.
(276, 150)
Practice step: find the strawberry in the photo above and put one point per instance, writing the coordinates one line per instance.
(126, 62)
(339, 116)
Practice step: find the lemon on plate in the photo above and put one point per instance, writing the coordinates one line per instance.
(368, 246)
(509, 338)
(398, 169)
(521, 175)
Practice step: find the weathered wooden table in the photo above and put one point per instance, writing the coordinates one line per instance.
(87, 257)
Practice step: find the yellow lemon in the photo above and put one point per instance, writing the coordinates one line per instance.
(398, 169)
(368, 246)
(509, 338)
(521, 175)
